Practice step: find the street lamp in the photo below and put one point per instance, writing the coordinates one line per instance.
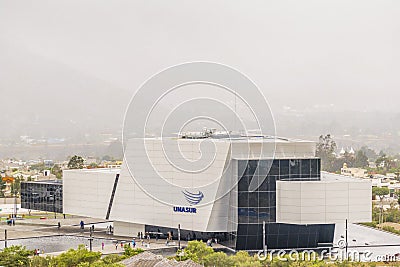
(91, 238)
(15, 203)
(179, 236)
(56, 192)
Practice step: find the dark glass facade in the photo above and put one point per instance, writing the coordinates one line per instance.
(255, 206)
(43, 195)
(284, 236)
(186, 234)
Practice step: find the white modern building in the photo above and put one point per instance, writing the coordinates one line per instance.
(222, 187)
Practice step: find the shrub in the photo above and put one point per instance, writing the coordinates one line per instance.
(113, 258)
(129, 252)
(15, 256)
(74, 257)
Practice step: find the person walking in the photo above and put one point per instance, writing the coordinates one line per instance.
(158, 234)
(133, 243)
(102, 245)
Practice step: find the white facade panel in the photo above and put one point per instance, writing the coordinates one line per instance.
(157, 207)
(326, 201)
(127, 229)
(88, 192)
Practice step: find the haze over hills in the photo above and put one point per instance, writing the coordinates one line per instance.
(66, 77)
(46, 99)
(43, 99)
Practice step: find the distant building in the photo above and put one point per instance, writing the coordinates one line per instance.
(353, 172)
(48, 163)
(391, 176)
(113, 164)
(372, 164)
(350, 151)
(42, 195)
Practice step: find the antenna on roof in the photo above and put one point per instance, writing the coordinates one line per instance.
(234, 115)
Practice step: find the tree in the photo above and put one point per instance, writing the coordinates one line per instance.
(15, 256)
(380, 192)
(76, 162)
(2, 187)
(16, 185)
(370, 153)
(76, 257)
(361, 160)
(384, 160)
(39, 261)
(196, 251)
(57, 171)
(130, 252)
(243, 259)
(392, 214)
(218, 259)
(93, 165)
(114, 258)
(398, 196)
(325, 151)
(39, 167)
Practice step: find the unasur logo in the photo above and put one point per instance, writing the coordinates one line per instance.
(193, 198)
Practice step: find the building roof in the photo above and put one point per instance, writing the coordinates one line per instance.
(252, 138)
(96, 170)
(332, 177)
(44, 182)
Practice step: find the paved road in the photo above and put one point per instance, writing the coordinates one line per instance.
(363, 239)
(25, 228)
(29, 228)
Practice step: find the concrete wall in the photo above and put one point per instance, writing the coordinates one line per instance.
(88, 192)
(280, 149)
(128, 229)
(313, 202)
(150, 186)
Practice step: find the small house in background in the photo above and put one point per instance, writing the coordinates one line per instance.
(353, 172)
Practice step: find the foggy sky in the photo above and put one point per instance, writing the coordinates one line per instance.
(336, 55)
